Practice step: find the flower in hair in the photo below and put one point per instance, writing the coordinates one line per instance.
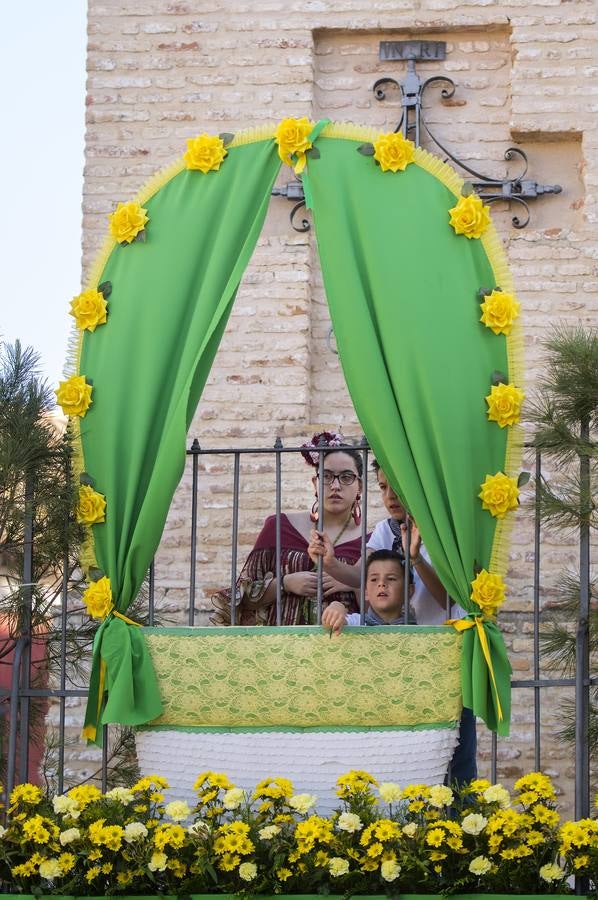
(321, 439)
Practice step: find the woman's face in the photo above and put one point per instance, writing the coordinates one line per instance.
(338, 497)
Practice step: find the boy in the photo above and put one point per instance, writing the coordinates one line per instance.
(384, 592)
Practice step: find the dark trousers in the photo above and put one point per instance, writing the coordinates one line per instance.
(464, 767)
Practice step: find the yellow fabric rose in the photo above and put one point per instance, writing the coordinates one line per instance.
(91, 508)
(89, 309)
(504, 404)
(291, 137)
(499, 494)
(499, 311)
(98, 598)
(127, 221)
(470, 217)
(394, 152)
(74, 396)
(205, 153)
(488, 591)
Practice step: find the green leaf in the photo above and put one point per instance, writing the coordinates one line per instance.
(212, 872)
(366, 149)
(105, 288)
(467, 189)
(313, 153)
(499, 378)
(524, 477)
(226, 137)
(84, 478)
(95, 574)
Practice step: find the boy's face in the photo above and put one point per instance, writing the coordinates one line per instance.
(393, 505)
(384, 588)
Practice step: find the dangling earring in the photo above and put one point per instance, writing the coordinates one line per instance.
(356, 511)
(314, 511)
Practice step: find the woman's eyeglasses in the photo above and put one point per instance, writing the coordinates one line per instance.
(345, 478)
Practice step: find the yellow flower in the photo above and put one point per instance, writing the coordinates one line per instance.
(92, 873)
(127, 220)
(499, 494)
(393, 152)
(158, 862)
(67, 862)
(390, 792)
(481, 865)
(338, 866)
(440, 796)
(150, 783)
(488, 591)
(390, 870)
(292, 139)
(537, 783)
(84, 794)
(50, 869)
(74, 396)
(499, 311)
(435, 837)
(205, 153)
(551, 872)
(496, 793)
(283, 874)
(98, 598)
(247, 871)
(504, 404)
(470, 217)
(89, 309)
(228, 862)
(91, 508)
(26, 793)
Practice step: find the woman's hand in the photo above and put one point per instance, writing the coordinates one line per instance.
(320, 545)
(334, 617)
(304, 584)
(333, 586)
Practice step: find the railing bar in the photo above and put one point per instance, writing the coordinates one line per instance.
(278, 447)
(27, 596)
(152, 593)
(364, 528)
(493, 765)
(193, 571)
(235, 535)
(14, 713)
(320, 567)
(582, 641)
(537, 712)
(407, 578)
(104, 758)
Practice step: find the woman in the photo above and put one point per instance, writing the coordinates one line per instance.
(256, 586)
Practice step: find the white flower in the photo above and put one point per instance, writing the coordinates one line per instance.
(390, 869)
(301, 803)
(268, 831)
(178, 810)
(410, 829)
(349, 822)
(49, 869)
(551, 872)
(390, 792)
(66, 806)
(71, 834)
(199, 829)
(496, 793)
(338, 866)
(122, 794)
(233, 798)
(158, 862)
(2, 831)
(247, 871)
(440, 796)
(481, 865)
(134, 831)
(474, 823)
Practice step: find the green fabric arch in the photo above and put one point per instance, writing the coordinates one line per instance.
(402, 289)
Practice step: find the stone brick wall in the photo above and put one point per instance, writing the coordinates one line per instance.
(162, 71)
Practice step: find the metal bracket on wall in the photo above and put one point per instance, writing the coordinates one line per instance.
(514, 189)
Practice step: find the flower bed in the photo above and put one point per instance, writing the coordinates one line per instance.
(381, 840)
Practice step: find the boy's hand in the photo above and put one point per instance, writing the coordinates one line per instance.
(320, 545)
(416, 541)
(334, 617)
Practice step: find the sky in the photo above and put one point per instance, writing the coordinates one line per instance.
(42, 98)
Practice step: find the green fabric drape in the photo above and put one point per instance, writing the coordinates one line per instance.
(171, 298)
(402, 291)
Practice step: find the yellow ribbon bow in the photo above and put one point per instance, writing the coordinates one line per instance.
(478, 622)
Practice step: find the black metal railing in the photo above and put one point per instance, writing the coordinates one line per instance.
(16, 701)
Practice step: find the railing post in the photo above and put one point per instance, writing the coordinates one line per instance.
(582, 641)
(25, 617)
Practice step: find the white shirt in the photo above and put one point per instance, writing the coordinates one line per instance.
(424, 604)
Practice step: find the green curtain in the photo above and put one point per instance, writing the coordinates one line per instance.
(402, 291)
(170, 302)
